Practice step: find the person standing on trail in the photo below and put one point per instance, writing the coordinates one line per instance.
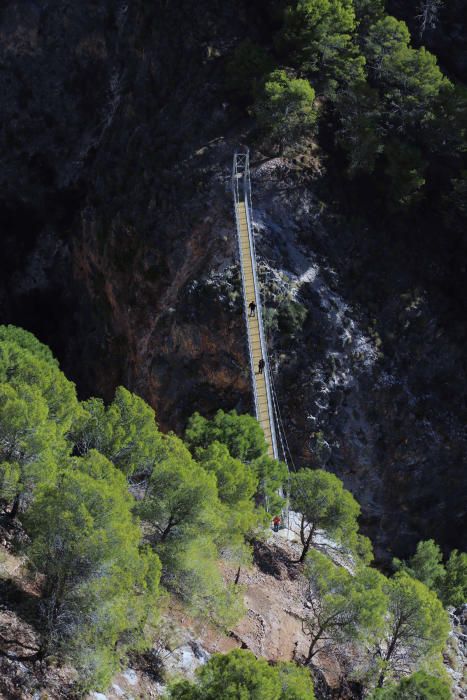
(260, 366)
(276, 522)
(252, 307)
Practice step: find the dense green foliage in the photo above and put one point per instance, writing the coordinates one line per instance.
(179, 495)
(101, 587)
(37, 407)
(449, 581)
(368, 11)
(25, 361)
(392, 111)
(398, 624)
(124, 431)
(241, 434)
(344, 606)
(188, 525)
(69, 471)
(286, 108)
(419, 686)
(324, 504)
(416, 627)
(453, 588)
(395, 625)
(272, 476)
(64, 471)
(245, 443)
(387, 120)
(240, 675)
(425, 565)
(319, 37)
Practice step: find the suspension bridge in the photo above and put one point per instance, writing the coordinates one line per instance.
(261, 379)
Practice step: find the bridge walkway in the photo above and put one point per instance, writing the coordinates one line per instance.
(251, 293)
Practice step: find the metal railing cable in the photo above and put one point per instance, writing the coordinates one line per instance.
(241, 172)
(283, 441)
(236, 192)
(276, 415)
(276, 410)
(259, 310)
(280, 426)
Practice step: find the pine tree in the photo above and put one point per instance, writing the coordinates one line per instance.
(416, 628)
(100, 585)
(323, 504)
(239, 674)
(344, 606)
(286, 109)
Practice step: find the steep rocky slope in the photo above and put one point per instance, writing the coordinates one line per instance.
(105, 185)
(276, 598)
(275, 595)
(119, 252)
(373, 384)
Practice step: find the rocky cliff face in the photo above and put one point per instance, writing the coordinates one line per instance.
(372, 382)
(119, 251)
(109, 205)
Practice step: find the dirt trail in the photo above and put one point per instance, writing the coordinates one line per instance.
(275, 598)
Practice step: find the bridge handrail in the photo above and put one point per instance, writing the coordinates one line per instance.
(236, 194)
(243, 159)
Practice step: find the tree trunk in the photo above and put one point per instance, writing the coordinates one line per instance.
(307, 545)
(302, 530)
(428, 17)
(15, 507)
(389, 653)
(311, 650)
(167, 529)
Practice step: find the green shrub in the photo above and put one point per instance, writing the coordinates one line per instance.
(239, 675)
(419, 686)
(291, 317)
(286, 109)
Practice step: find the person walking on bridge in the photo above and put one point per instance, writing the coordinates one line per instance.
(261, 364)
(252, 307)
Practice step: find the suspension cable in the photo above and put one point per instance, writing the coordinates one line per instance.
(277, 412)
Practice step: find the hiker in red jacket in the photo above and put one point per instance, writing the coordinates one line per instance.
(276, 522)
